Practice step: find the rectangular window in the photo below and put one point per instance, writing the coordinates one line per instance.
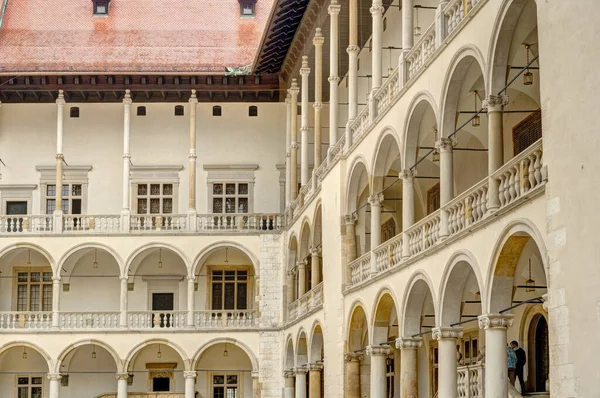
(34, 289)
(389, 376)
(229, 290)
(29, 386)
(225, 386)
(230, 197)
(433, 198)
(526, 132)
(71, 202)
(155, 198)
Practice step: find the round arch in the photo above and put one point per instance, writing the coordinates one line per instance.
(301, 350)
(382, 315)
(418, 288)
(358, 180)
(135, 350)
(27, 344)
(357, 326)
(225, 340)
(71, 347)
(129, 263)
(305, 238)
(387, 151)
(315, 342)
(32, 246)
(62, 262)
(290, 354)
(210, 249)
(317, 235)
(422, 101)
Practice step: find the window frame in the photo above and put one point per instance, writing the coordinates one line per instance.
(65, 198)
(149, 197)
(77, 175)
(239, 385)
(154, 175)
(252, 5)
(223, 281)
(29, 385)
(41, 283)
(236, 196)
(229, 174)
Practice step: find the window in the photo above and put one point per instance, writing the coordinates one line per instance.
(470, 348)
(229, 289)
(225, 386)
(526, 132)
(253, 111)
(155, 198)
(230, 197)
(34, 289)
(74, 112)
(388, 230)
(389, 377)
(179, 110)
(247, 8)
(101, 7)
(216, 110)
(29, 386)
(433, 198)
(141, 111)
(71, 202)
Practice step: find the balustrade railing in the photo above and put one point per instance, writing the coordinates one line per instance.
(26, 224)
(224, 319)
(89, 320)
(316, 296)
(361, 124)
(421, 51)
(92, 224)
(145, 395)
(388, 253)
(424, 233)
(157, 319)
(25, 320)
(158, 222)
(467, 208)
(360, 269)
(240, 222)
(293, 310)
(470, 381)
(387, 92)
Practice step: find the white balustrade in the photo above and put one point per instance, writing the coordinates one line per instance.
(25, 224)
(92, 224)
(467, 208)
(388, 253)
(421, 51)
(316, 296)
(145, 395)
(225, 319)
(387, 93)
(361, 124)
(89, 320)
(470, 381)
(158, 222)
(240, 222)
(424, 233)
(157, 319)
(360, 269)
(293, 310)
(25, 320)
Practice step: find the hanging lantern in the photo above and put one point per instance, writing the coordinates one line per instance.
(226, 258)
(476, 122)
(159, 354)
(28, 256)
(160, 263)
(527, 76)
(388, 361)
(94, 352)
(436, 152)
(417, 27)
(95, 258)
(530, 283)
(225, 353)
(24, 356)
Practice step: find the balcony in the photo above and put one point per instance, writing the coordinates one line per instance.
(307, 303)
(146, 395)
(470, 381)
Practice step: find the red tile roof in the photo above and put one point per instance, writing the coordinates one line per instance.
(137, 36)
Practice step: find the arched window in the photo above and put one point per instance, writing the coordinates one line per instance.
(179, 110)
(141, 111)
(74, 111)
(216, 110)
(253, 111)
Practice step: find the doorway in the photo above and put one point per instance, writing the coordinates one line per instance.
(162, 302)
(538, 354)
(161, 384)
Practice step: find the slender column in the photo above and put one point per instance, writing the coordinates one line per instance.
(349, 223)
(54, 384)
(125, 208)
(408, 207)
(123, 303)
(301, 382)
(55, 301)
(288, 148)
(352, 375)
(377, 42)
(122, 385)
(444, 145)
(409, 378)
(301, 278)
(375, 202)
(288, 391)
(190, 301)
(318, 41)
(294, 140)
(378, 381)
(407, 25)
(192, 210)
(314, 381)
(353, 51)
(190, 383)
(334, 13)
(495, 106)
(290, 288)
(315, 267)
(496, 371)
(446, 337)
(304, 72)
(256, 387)
(60, 105)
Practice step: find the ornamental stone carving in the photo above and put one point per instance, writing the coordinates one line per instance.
(333, 79)
(315, 366)
(288, 374)
(294, 145)
(407, 174)
(318, 105)
(189, 374)
(375, 200)
(334, 8)
(445, 144)
(294, 89)
(408, 343)
(300, 370)
(314, 251)
(352, 49)
(495, 321)
(122, 376)
(353, 357)
(318, 40)
(377, 9)
(494, 103)
(446, 333)
(127, 101)
(305, 70)
(350, 219)
(374, 350)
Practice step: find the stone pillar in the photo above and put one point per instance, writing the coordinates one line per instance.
(352, 375)
(60, 106)
(407, 25)
(126, 205)
(288, 390)
(496, 371)
(446, 337)
(318, 41)
(55, 301)
(409, 376)
(444, 145)
(191, 290)
(256, 393)
(315, 269)
(54, 385)
(288, 143)
(378, 379)
(408, 207)
(495, 107)
(122, 385)
(301, 382)
(349, 223)
(353, 51)
(377, 43)
(314, 381)
(334, 14)
(304, 72)
(294, 90)
(123, 303)
(192, 209)
(290, 288)
(301, 277)
(190, 383)
(375, 202)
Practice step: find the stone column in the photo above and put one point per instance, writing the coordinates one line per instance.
(334, 14)
(123, 303)
(60, 106)
(191, 290)
(407, 25)
(288, 391)
(288, 148)
(190, 383)
(377, 43)
(256, 393)
(495, 107)
(378, 380)
(496, 371)
(301, 382)
(444, 145)
(126, 205)
(318, 41)
(408, 207)
(301, 277)
(304, 72)
(314, 381)
(294, 90)
(446, 337)
(315, 269)
(409, 376)
(352, 375)
(349, 223)
(54, 385)
(353, 51)
(192, 210)
(290, 288)
(375, 202)
(55, 301)
(122, 385)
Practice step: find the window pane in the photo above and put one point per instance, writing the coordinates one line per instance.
(230, 205)
(47, 276)
(142, 206)
(22, 276)
(65, 190)
(36, 381)
(142, 189)
(35, 277)
(243, 205)
(22, 393)
(154, 206)
(168, 189)
(229, 296)
(36, 392)
(168, 205)
(51, 190)
(23, 380)
(242, 275)
(65, 206)
(154, 189)
(34, 303)
(242, 301)
(47, 298)
(217, 275)
(232, 379)
(217, 296)
(219, 379)
(231, 392)
(50, 206)
(76, 190)
(22, 298)
(217, 189)
(230, 189)
(219, 392)
(243, 189)
(217, 205)
(229, 275)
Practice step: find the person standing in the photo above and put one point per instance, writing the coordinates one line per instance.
(512, 363)
(521, 359)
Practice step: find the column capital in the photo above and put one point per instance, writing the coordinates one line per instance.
(377, 10)
(334, 8)
(353, 357)
(407, 174)
(315, 366)
(495, 321)
(56, 279)
(300, 370)
(122, 376)
(304, 70)
(124, 278)
(189, 374)
(314, 251)
(54, 376)
(374, 350)
(294, 145)
(350, 219)
(191, 278)
(294, 89)
(375, 200)
(304, 128)
(318, 105)
(495, 103)
(446, 333)
(193, 99)
(60, 156)
(408, 343)
(318, 40)
(353, 49)
(446, 144)
(60, 101)
(301, 263)
(288, 374)
(545, 303)
(288, 100)
(333, 79)
(127, 101)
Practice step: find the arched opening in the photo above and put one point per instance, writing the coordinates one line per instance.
(358, 340)
(304, 263)
(23, 370)
(385, 332)
(289, 355)
(224, 370)
(316, 357)
(301, 350)
(538, 363)
(358, 194)
(317, 247)
(88, 369)
(291, 275)
(156, 367)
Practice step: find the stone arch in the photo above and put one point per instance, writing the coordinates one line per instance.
(26, 245)
(358, 328)
(63, 262)
(387, 154)
(418, 290)
(33, 346)
(317, 236)
(289, 355)
(301, 348)
(305, 238)
(359, 180)
(71, 347)
(223, 340)
(129, 263)
(422, 101)
(210, 249)
(135, 350)
(315, 343)
(385, 313)
(458, 276)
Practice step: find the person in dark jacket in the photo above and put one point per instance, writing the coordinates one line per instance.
(521, 359)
